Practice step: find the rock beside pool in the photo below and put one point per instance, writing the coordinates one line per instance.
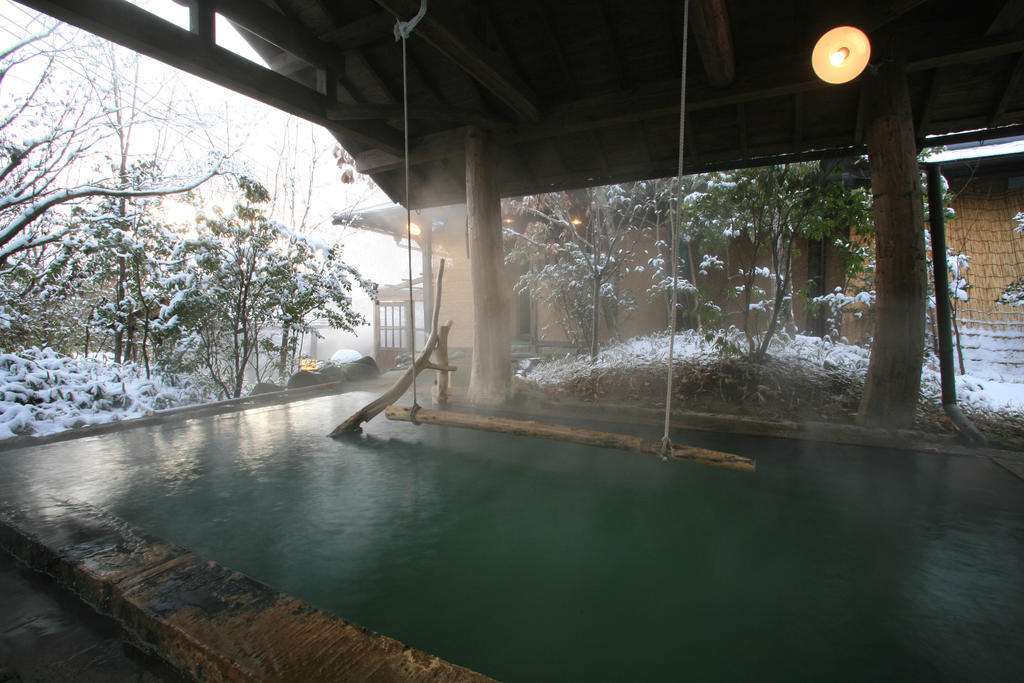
(334, 373)
(364, 368)
(265, 388)
(306, 378)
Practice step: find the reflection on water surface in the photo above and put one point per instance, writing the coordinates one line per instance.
(539, 560)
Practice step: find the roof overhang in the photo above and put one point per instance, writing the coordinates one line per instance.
(584, 92)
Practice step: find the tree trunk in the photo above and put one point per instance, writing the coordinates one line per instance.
(595, 306)
(120, 321)
(282, 366)
(894, 372)
(492, 342)
(693, 281)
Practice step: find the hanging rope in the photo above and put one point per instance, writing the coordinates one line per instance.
(666, 443)
(403, 29)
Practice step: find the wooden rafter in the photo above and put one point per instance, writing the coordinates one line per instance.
(280, 30)
(618, 61)
(361, 32)
(355, 58)
(422, 150)
(644, 144)
(862, 113)
(713, 34)
(472, 57)
(798, 119)
(741, 125)
(555, 45)
(139, 30)
(1009, 16)
(877, 17)
(602, 159)
(1009, 88)
(924, 115)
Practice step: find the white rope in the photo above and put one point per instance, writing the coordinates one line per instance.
(403, 29)
(666, 443)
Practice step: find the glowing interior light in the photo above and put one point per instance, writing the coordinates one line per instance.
(576, 221)
(841, 54)
(414, 229)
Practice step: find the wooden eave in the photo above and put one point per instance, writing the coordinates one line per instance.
(582, 92)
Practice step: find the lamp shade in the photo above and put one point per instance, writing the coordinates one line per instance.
(841, 54)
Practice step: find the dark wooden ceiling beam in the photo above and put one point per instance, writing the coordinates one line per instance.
(1007, 19)
(286, 64)
(741, 125)
(278, 29)
(713, 34)
(798, 119)
(202, 20)
(471, 56)
(774, 79)
(595, 142)
(541, 8)
(417, 112)
(618, 61)
(862, 115)
(874, 19)
(139, 30)
(422, 150)
(357, 59)
(951, 53)
(361, 32)
(923, 118)
(1009, 88)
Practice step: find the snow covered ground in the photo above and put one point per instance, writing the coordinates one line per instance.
(988, 384)
(43, 392)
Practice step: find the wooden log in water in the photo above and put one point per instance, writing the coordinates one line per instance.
(589, 437)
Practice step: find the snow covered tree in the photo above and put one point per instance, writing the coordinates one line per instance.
(242, 275)
(67, 168)
(577, 248)
(764, 210)
(702, 248)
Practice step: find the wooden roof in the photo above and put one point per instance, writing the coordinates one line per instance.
(583, 92)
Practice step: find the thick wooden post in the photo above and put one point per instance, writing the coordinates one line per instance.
(427, 252)
(492, 367)
(894, 372)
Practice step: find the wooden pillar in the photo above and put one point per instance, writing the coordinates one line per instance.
(427, 252)
(894, 371)
(492, 367)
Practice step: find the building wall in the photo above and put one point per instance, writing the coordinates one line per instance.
(983, 228)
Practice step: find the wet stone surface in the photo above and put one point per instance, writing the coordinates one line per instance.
(48, 634)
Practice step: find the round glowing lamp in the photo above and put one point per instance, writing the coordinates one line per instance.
(841, 54)
(414, 229)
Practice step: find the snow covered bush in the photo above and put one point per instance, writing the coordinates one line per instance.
(43, 392)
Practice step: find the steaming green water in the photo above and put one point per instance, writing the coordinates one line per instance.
(531, 560)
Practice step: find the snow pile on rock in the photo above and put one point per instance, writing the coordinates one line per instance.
(346, 356)
(43, 392)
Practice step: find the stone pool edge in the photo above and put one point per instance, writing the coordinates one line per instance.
(206, 620)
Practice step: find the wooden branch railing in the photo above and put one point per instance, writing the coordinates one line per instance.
(354, 423)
